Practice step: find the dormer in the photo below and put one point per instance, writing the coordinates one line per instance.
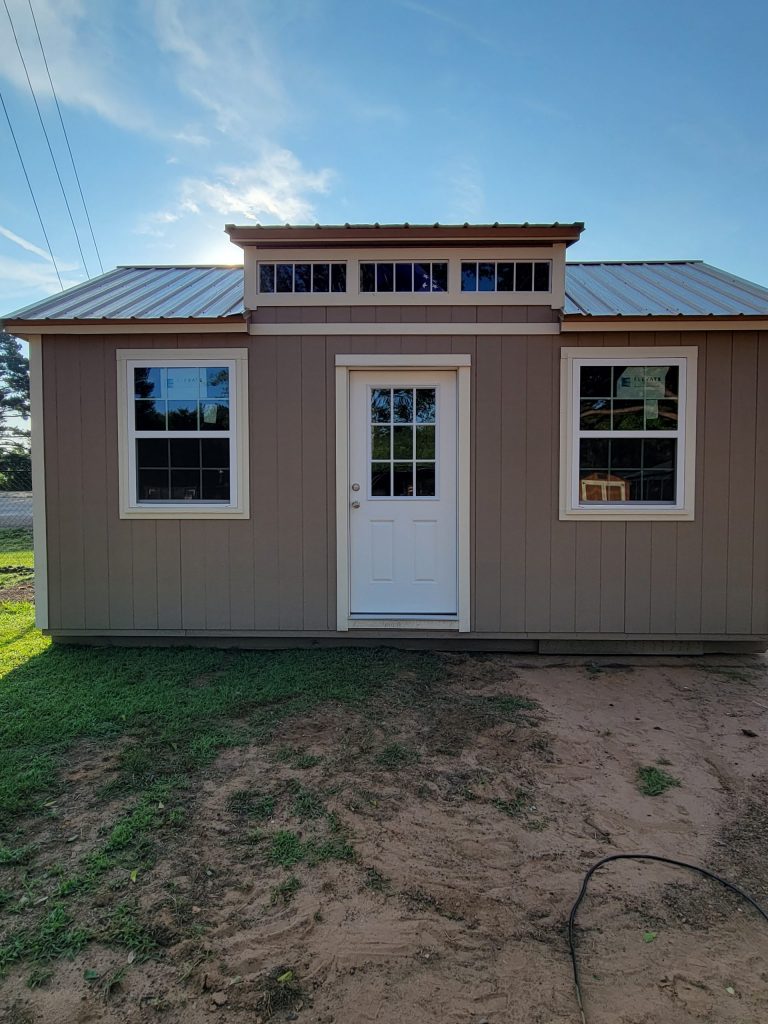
(405, 265)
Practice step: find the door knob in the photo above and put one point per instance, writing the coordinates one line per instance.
(355, 504)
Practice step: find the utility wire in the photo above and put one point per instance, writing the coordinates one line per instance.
(31, 191)
(66, 136)
(45, 133)
(640, 856)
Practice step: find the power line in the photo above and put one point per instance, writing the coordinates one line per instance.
(48, 141)
(31, 191)
(66, 136)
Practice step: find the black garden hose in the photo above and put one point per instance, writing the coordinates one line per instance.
(640, 856)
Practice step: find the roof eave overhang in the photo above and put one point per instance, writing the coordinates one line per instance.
(135, 325)
(651, 322)
(379, 236)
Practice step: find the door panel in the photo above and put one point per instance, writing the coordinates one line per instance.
(402, 450)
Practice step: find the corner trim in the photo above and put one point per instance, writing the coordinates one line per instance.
(39, 524)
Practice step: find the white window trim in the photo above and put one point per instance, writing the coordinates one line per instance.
(555, 298)
(237, 360)
(683, 509)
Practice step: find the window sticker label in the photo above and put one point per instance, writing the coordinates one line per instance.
(642, 382)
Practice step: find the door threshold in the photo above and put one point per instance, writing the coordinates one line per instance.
(424, 622)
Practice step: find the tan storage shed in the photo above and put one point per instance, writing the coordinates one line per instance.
(442, 435)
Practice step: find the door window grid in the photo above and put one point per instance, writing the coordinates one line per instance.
(403, 427)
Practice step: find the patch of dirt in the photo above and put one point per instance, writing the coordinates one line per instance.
(22, 591)
(473, 817)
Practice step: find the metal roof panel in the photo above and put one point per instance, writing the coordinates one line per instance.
(673, 288)
(664, 289)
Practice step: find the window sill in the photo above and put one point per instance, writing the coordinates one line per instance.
(183, 512)
(628, 515)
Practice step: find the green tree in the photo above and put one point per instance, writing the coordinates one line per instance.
(15, 467)
(14, 387)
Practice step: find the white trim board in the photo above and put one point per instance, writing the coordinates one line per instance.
(462, 365)
(39, 524)
(388, 328)
(370, 361)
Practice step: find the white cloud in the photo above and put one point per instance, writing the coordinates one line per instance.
(24, 244)
(276, 187)
(466, 197)
(24, 281)
(78, 38)
(223, 62)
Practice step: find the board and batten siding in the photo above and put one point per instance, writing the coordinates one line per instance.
(533, 576)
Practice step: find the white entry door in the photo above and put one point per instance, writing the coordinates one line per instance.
(403, 501)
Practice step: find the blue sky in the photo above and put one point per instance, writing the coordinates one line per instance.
(646, 120)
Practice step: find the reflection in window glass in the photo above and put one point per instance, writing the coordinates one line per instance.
(385, 277)
(507, 276)
(338, 277)
(469, 277)
(182, 469)
(439, 277)
(184, 464)
(367, 277)
(524, 277)
(403, 442)
(284, 277)
(403, 277)
(267, 277)
(302, 277)
(321, 277)
(639, 402)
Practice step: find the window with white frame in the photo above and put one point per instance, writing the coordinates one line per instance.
(512, 276)
(302, 277)
(404, 277)
(183, 435)
(628, 433)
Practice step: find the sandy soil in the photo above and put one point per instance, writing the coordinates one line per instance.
(24, 590)
(467, 861)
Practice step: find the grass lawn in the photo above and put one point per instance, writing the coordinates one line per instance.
(15, 557)
(369, 834)
(168, 712)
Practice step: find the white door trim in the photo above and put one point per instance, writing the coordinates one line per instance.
(462, 366)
